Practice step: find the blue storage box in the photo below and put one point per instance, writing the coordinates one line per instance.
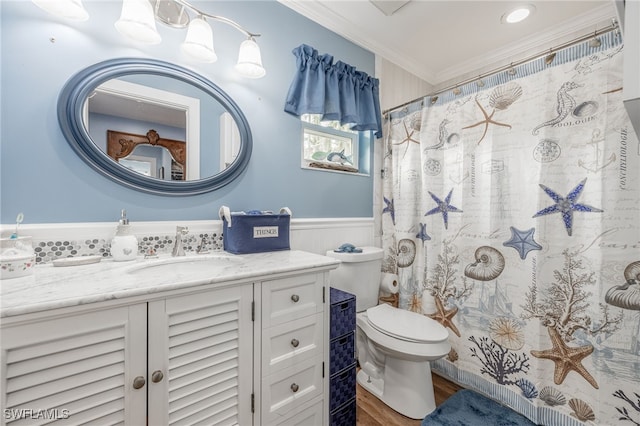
(342, 352)
(343, 312)
(342, 387)
(345, 415)
(255, 231)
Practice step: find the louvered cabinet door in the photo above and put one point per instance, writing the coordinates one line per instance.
(201, 358)
(76, 370)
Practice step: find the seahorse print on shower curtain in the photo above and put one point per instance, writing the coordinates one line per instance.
(566, 104)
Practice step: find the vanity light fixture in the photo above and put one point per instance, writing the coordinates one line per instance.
(138, 23)
(518, 14)
(249, 59)
(199, 41)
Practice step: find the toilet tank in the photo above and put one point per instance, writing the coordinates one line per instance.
(359, 274)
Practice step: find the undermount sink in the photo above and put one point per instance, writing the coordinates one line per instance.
(201, 266)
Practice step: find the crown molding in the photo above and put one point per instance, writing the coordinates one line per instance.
(319, 13)
(570, 29)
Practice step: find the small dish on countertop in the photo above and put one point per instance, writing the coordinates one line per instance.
(77, 261)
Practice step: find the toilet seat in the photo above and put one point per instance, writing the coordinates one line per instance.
(406, 325)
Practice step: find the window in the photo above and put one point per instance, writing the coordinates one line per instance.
(329, 146)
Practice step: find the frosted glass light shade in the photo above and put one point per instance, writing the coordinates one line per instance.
(68, 9)
(137, 22)
(249, 60)
(199, 41)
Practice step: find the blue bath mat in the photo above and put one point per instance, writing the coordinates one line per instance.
(469, 408)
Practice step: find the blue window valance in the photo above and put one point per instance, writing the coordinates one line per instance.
(337, 91)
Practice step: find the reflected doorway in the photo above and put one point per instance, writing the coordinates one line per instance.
(150, 154)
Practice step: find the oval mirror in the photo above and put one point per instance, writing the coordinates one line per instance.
(154, 126)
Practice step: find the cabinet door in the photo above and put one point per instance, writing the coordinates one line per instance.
(77, 369)
(202, 344)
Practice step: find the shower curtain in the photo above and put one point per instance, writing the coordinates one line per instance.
(511, 214)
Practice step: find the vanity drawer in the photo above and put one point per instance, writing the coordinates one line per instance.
(291, 299)
(286, 344)
(310, 414)
(286, 390)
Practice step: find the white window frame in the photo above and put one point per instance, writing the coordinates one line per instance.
(325, 131)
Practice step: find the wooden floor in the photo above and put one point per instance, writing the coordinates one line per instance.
(371, 411)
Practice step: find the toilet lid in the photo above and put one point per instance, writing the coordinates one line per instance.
(406, 325)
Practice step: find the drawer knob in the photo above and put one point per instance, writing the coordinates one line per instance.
(157, 376)
(295, 298)
(295, 387)
(295, 343)
(138, 382)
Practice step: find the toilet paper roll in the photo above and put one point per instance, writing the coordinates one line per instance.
(389, 283)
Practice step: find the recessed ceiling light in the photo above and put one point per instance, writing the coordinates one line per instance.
(518, 14)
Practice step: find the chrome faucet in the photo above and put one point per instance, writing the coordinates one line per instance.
(178, 249)
(202, 247)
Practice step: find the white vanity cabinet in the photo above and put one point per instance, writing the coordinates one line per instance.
(171, 361)
(247, 347)
(294, 350)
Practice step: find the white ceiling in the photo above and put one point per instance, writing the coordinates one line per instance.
(439, 40)
(133, 108)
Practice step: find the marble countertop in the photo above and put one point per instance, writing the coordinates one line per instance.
(51, 287)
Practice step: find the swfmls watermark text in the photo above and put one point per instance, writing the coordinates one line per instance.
(35, 414)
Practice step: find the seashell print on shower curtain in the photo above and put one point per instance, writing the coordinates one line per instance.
(521, 235)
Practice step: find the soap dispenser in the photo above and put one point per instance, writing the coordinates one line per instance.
(124, 245)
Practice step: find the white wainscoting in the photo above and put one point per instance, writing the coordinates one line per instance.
(320, 235)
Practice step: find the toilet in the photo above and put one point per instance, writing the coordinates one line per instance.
(394, 346)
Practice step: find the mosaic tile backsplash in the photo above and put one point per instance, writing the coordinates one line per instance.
(47, 251)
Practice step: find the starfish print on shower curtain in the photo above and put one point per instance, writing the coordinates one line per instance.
(488, 119)
(422, 235)
(445, 316)
(566, 358)
(444, 207)
(522, 241)
(389, 208)
(565, 308)
(408, 138)
(566, 205)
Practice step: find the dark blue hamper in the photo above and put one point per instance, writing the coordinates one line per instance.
(342, 361)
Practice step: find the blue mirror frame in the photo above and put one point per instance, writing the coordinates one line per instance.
(70, 117)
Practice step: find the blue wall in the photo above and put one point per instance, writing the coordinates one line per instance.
(42, 177)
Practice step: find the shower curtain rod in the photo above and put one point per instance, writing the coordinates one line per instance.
(613, 26)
